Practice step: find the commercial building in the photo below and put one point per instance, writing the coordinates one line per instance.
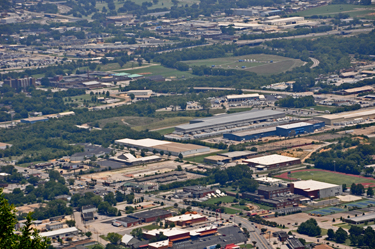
(54, 226)
(127, 221)
(61, 233)
(272, 161)
(347, 118)
(34, 120)
(285, 21)
(198, 191)
(361, 219)
(294, 243)
(186, 219)
(3, 146)
(20, 83)
(216, 159)
(175, 234)
(151, 215)
(316, 190)
(277, 196)
(168, 147)
(235, 155)
(281, 130)
(226, 121)
(357, 90)
(140, 94)
(243, 97)
(245, 12)
(298, 128)
(131, 160)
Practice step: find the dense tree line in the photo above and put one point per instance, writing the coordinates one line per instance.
(362, 237)
(44, 7)
(357, 189)
(310, 228)
(347, 156)
(296, 102)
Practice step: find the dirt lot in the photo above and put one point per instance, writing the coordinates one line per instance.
(364, 131)
(325, 137)
(286, 143)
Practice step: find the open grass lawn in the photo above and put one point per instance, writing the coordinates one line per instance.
(246, 246)
(333, 9)
(165, 131)
(231, 211)
(116, 66)
(321, 108)
(329, 177)
(160, 70)
(150, 227)
(261, 65)
(226, 199)
(166, 122)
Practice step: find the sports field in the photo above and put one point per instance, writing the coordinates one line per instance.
(257, 63)
(327, 176)
(351, 9)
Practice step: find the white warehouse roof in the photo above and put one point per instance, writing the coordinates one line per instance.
(270, 159)
(147, 142)
(59, 232)
(295, 125)
(184, 217)
(241, 96)
(311, 185)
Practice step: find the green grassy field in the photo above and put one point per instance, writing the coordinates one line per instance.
(329, 177)
(321, 108)
(335, 9)
(227, 199)
(160, 4)
(164, 123)
(261, 66)
(160, 70)
(200, 158)
(231, 211)
(165, 131)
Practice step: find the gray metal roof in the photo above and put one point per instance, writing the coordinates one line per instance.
(229, 118)
(238, 153)
(362, 218)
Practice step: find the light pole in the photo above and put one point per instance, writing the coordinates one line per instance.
(334, 165)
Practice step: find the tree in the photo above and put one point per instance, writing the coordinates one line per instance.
(137, 233)
(132, 96)
(344, 187)
(88, 234)
(331, 234)
(114, 238)
(28, 238)
(179, 168)
(310, 228)
(341, 235)
(70, 223)
(370, 191)
(92, 66)
(180, 156)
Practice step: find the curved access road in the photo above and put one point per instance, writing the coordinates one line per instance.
(315, 62)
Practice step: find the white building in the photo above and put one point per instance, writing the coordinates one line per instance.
(316, 190)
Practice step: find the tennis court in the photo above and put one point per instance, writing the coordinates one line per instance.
(361, 204)
(327, 211)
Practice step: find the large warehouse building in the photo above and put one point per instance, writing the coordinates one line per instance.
(282, 130)
(226, 121)
(174, 148)
(244, 97)
(316, 190)
(346, 118)
(272, 161)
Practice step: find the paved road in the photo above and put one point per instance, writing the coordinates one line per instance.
(315, 62)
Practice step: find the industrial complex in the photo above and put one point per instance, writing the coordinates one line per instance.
(347, 118)
(282, 131)
(168, 147)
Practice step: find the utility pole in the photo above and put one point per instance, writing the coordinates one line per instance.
(334, 165)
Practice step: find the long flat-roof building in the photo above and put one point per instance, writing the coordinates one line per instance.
(272, 161)
(316, 190)
(226, 121)
(361, 219)
(347, 117)
(243, 97)
(61, 233)
(174, 148)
